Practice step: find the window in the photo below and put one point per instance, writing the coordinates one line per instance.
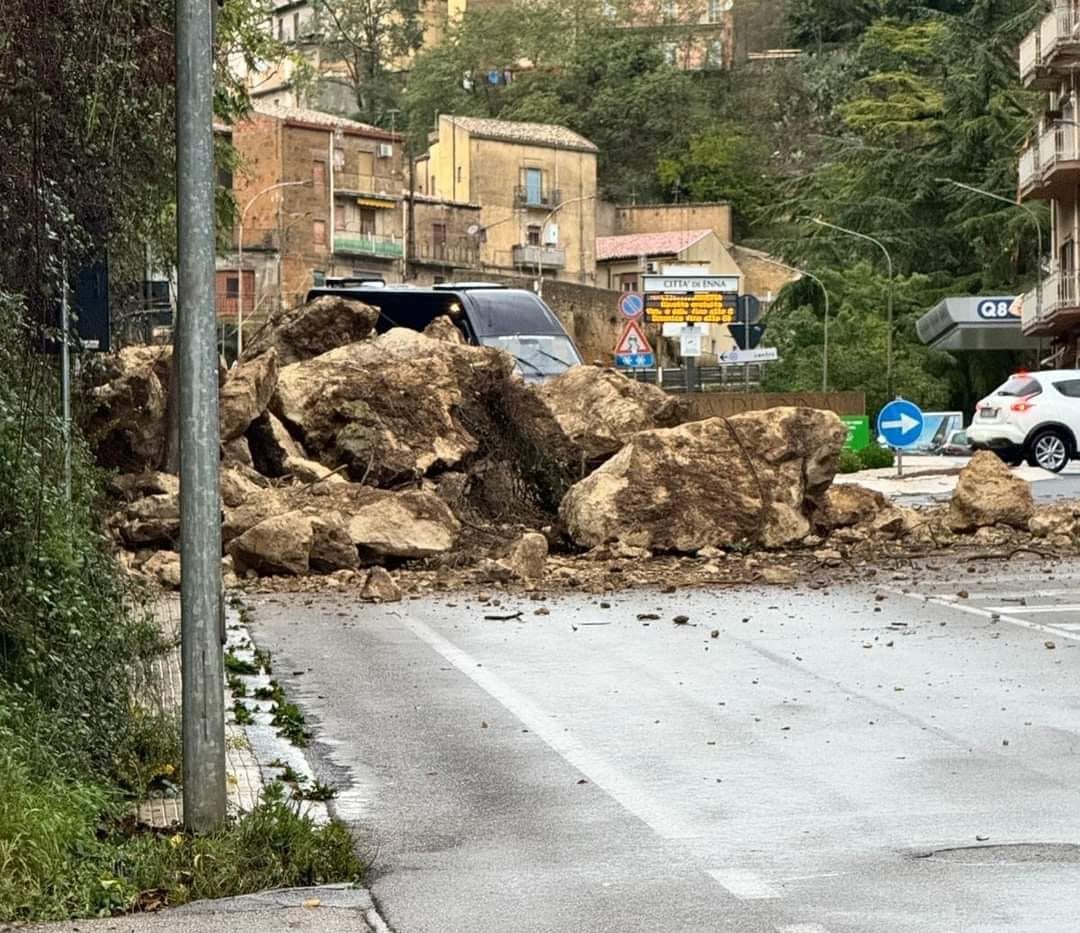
(1070, 388)
(438, 240)
(318, 174)
(1021, 387)
(280, 28)
(628, 282)
(716, 54)
(318, 232)
(714, 12)
(669, 49)
(318, 278)
(532, 235)
(339, 220)
(296, 25)
(534, 186)
(232, 287)
(671, 11)
(339, 159)
(367, 221)
(225, 177)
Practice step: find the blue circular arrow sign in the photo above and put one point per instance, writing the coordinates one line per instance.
(900, 423)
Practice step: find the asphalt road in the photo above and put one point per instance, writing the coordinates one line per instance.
(860, 759)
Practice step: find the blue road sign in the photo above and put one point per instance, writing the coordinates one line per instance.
(900, 423)
(635, 360)
(631, 304)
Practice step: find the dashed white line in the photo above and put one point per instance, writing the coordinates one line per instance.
(1027, 610)
(988, 614)
(745, 885)
(802, 928)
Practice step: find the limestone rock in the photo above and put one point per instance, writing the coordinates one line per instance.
(277, 545)
(164, 566)
(255, 509)
(757, 477)
(152, 520)
(1051, 520)
(237, 451)
(246, 393)
(380, 587)
(394, 408)
(332, 548)
(271, 445)
(132, 486)
(442, 328)
(402, 524)
(848, 504)
(527, 557)
(125, 418)
(989, 493)
(597, 410)
(237, 487)
(313, 328)
(308, 471)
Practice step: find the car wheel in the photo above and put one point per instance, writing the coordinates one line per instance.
(1050, 450)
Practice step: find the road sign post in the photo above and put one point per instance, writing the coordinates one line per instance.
(901, 424)
(631, 305)
(633, 350)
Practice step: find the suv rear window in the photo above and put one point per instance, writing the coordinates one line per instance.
(1021, 386)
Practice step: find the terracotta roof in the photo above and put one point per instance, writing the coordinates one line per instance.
(318, 118)
(646, 244)
(535, 134)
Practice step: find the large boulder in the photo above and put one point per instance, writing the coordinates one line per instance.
(152, 520)
(989, 493)
(280, 544)
(848, 504)
(132, 486)
(393, 408)
(1050, 521)
(527, 557)
(407, 524)
(314, 328)
(758, 477)
(272, 445)
(237, 486)
(125, 415)
(597, 410)
(246, 393)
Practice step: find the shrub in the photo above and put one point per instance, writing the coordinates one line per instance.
(849, 461)
(876, 458)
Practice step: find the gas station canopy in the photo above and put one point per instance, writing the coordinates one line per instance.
(979, 323)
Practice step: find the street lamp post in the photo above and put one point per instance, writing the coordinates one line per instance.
(240, 260)
(825, 292)
(889, 333)
(543, 232)
(1034, 219)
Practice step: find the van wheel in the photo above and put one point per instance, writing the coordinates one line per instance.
(1049, 450)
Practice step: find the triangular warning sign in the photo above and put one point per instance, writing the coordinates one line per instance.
(633, 341)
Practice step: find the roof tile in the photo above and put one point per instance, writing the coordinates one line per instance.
(646, 244)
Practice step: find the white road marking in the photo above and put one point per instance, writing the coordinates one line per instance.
(802, 928)
(631, 795)
(745, 885)
(987, 614)
(1026, 610)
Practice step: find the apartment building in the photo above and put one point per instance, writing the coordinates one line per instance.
(535, 185)
(317, 195)
(1050, 170)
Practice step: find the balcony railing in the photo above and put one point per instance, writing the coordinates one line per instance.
(358, 244)
(1060, 295)
(535, 257)
(349, 183)
(1057, 36)
(1056, 145)
(524, 197)
(461, 252)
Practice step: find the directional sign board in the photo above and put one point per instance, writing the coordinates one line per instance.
(698, 308)
(760, 355)
(633, 350)
(631, 305)
(689, 284)
(900, 423)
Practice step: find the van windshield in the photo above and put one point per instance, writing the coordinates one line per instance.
(538, 357)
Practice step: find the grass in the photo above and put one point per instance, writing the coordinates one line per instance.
(242, 714)
(235, 665)
(290, 723)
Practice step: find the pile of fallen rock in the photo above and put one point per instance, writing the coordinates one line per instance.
(359, 456)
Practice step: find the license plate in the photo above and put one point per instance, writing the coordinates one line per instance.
(988, 412)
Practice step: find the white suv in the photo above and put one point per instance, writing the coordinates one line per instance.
(1034, 415)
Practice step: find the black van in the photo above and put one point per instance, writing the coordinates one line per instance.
(489, 315)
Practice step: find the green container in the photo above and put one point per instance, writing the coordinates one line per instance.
(858, 431)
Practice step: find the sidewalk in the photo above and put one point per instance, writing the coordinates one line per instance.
(926, 477)
(330, 909)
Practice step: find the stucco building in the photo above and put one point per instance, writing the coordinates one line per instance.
(1050, 170)
(536, 187)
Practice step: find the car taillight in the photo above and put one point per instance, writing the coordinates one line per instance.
(1022, 406)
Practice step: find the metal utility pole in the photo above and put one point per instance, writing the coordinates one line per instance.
(1034, 219)
(65, 378)
(543, 236)
(197, 371)
(888, 261)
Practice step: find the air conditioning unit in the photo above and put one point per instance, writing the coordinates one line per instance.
(551, 235)
(386, 151)
(650, 267)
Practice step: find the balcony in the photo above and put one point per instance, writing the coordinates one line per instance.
(536, 257)
(1060, 309)
(464, 252)
(1052, 47)
(525, 197)
(377, 186)
(368, 244)
(1049, 167)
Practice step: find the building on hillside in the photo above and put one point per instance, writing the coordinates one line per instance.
(536, 187)
(317, 195)
(1050, 170)
(621, 261)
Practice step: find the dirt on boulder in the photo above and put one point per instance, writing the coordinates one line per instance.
(757, 478)
(988, 493)
(313, 329)
(390, 408)
(597, 410)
